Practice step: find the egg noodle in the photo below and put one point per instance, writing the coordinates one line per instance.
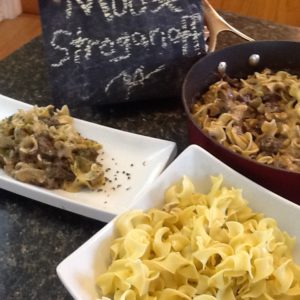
(257, 117)
(41, 146)
(202, 247)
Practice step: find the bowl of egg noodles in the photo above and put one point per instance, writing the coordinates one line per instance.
(243, 106)
(201, 231)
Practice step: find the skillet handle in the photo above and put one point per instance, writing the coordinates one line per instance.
(216, 24)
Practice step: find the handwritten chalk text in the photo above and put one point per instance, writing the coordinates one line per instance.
(117, 8)
(73, 47)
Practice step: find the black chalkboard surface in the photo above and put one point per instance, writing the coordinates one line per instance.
(111, 51)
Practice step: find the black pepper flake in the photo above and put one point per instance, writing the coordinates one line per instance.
(112, 159)
(131, 165)
(105, 202)
(127, 189)
(144, 163)
(119, 185)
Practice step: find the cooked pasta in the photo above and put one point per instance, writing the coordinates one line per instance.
(202, 247)
(257, 117)
(40, 146)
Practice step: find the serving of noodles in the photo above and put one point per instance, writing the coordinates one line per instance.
(257, 117)
(200, 247)
(40, 146)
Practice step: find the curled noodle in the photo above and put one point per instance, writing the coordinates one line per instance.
(200, 247)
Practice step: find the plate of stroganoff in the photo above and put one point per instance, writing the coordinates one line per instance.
(75, 165)
(201, 231)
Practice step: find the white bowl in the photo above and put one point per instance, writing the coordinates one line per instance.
(79, 271)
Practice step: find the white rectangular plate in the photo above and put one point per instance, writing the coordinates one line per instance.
(79, 271)
(131, 162)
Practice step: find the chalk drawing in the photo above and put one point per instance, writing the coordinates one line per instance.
(129, 81)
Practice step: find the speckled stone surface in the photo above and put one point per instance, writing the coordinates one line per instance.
(35, 237)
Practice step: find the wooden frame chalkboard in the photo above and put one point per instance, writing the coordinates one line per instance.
(112, 51)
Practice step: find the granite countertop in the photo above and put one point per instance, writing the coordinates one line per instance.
(35, 237)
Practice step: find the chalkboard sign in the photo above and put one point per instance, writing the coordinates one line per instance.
(109, 51)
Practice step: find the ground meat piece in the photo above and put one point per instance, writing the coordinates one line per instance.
(59, 171)
(49, 121)
(27, 158)
(271, 98)
(269, 144)
(45, 145)
(233, 82)
(271, 107)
